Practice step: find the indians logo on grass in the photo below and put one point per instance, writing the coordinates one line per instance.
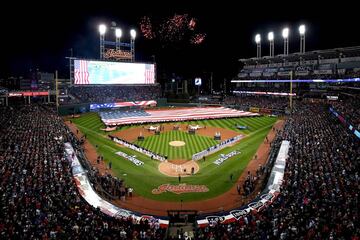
(179, 189)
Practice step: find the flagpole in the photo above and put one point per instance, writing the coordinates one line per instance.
(291, 103)
(56, 91)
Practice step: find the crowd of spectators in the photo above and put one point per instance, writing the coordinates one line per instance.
(107, 185)
(114, 93)
(263, 172)
(269, 87)
(38, 196)
(319, 197)
(244, 102)
(252, 180)
(3, 90)
(309, 76)
(349, 109)
(351, 73)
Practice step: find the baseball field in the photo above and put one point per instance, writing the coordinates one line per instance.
(145, 178)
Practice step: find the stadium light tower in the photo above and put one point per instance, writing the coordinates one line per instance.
(285, 35)
(118, 34)
(271, 40)
(258, 45)
(302, 31)
(132, 44)
(102, 31)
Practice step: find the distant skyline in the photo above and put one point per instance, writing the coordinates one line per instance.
(41, 35)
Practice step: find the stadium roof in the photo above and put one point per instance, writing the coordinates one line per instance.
(311, 55)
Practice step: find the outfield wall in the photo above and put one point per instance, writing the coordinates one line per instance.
(73, 109)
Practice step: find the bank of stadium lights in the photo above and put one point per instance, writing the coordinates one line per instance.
(271, 41)
(302, 31)
(285, 32)
(257, 38)
(258, 45)
(118, 35)
(132, 42)
(133, 33)
(271, 36)
(102, 31)
(118, 32)
(285, 35)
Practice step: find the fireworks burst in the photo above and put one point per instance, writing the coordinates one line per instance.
(146, 28)
(192, 24)
(178, 28)
(198, 38)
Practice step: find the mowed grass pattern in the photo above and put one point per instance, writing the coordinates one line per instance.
(147, 177)
(193, 144)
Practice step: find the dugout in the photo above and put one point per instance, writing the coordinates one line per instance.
(182, 223)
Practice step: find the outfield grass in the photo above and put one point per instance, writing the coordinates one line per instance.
(147, 177)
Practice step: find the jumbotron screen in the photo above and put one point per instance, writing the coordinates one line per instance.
(99, 72)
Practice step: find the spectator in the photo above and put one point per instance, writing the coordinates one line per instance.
(319, 195)
(43, 202)
(113, 93)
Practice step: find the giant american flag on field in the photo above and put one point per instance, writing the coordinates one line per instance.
(81, 73)
(122, 104)
(184, 114)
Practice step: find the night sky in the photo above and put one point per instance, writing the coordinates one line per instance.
(41, 35)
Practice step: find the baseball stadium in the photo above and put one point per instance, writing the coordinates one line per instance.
(117, 151)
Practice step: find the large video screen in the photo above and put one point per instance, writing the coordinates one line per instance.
(99, 72)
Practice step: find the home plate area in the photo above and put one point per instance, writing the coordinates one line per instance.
(174, 168)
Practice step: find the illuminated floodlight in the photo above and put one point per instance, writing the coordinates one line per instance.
(271, 36)
(133, 33)
(257, 38)
(118, 32)
(302, 29)
(285, 32)
(102, 29)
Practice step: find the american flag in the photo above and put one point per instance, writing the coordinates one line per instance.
(81, 72)
(179, 115)
(149, 73)
(123, 104)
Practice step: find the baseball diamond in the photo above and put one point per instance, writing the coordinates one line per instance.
(215, 177)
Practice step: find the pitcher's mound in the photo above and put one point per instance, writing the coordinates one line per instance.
(177, 143)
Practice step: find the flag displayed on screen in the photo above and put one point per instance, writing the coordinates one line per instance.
(149, 73)
(104, 72)
(81, 73)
